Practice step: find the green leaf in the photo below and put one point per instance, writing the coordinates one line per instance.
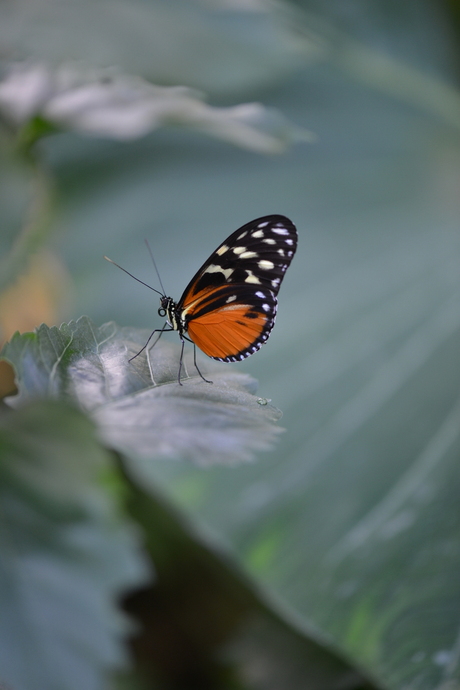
(204, 625)
(66, 556)
(124, 107)
(138, 406)
(365, 354)
(250, 47)
(364, 359)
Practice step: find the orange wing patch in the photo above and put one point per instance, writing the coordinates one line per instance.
(196, 300)
(228, 331)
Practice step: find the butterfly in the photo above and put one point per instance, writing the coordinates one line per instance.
(228, 309)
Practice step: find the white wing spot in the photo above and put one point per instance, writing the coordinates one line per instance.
(248, 255)
(280, 231)
(266, 265)
(239, 250)
(263, 225)
(281, 252)
(266, 307)
(222, 250)
(230, 299)
(260, 294)
(258, 233)
(289, 241)
(213, 268)
(275, 282)
(251, 278)
(243, 234)
(269, 241)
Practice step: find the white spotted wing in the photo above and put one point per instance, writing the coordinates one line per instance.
(229, 307)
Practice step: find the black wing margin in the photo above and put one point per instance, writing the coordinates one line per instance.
(257, 254)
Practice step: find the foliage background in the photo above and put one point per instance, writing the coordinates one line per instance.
(348, 529)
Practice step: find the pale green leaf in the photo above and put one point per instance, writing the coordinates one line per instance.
(66, 556)
(139, 407)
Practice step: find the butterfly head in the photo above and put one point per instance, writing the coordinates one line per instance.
(168, 309)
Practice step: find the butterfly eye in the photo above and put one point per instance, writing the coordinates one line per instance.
(161, 312)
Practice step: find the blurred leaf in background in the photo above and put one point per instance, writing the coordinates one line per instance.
(348, 530)
(66, 554)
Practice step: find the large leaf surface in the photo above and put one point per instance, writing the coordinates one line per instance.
(65, 554)
(363, 361)
(353, 525)
(139, 406)
(203, 621)
(156, 39)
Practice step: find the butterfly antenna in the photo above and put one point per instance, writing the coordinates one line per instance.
(156, 269)
(130, 274)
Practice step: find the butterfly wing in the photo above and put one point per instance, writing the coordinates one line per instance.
(232, 322)
(229, 306)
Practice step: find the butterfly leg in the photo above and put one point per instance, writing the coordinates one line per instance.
(161, 331)
(194, 360)
(196, 365)
(181, 361)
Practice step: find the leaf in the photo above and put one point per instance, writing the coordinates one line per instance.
(139, 407)
(203, 621)
(65, 554)
(356, 532)
(364, 359)
(170, 43)
(365, 354)
(117, 106)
